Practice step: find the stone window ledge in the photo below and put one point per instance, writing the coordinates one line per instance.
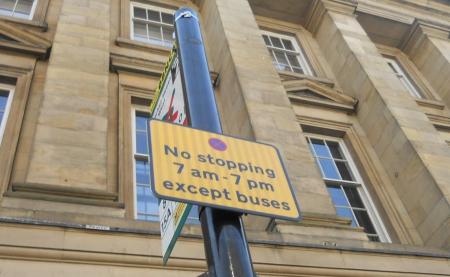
(435, 104)
(38, 25)
(132, 44)
(287, 75)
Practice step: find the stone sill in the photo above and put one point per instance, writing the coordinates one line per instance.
(132, 44)
(41, 26)
(287, 75)
(264, 239)
(435, 104)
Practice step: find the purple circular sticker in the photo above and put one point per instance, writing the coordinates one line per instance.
(217, 144)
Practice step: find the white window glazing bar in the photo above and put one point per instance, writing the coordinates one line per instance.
(298, 52)
(358, 184)
(161, 40)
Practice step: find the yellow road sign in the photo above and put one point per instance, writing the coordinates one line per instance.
(209, 169)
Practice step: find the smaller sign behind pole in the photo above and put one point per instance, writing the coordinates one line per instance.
(169, 106)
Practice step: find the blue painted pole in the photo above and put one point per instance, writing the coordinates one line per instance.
(226, 245)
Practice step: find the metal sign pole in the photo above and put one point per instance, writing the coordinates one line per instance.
(226, 246)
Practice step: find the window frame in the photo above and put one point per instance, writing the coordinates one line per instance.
(410, 70)
(408, 82)
(299, 52)
(32, 11)
(4, 120)
(369, 204)
(134, 111)
(147, 7)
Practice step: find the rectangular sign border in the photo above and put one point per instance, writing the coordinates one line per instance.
(296, 219)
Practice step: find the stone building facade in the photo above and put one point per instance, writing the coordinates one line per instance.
(354, 93)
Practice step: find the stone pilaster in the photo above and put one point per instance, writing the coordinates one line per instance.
(415, 157)
(70, 143)
(252, 100)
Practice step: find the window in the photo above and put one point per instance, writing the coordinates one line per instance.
(146, 202)
(286, 53)
(18, 8)
(403, 77)
(147, 205)
(345, 186)
(6, 95)
(152, 25)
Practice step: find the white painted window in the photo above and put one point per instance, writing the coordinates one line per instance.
(18, 8)
(286, 53)
(152, 24)
(146, 203)
(403, 77)
(347, 190)
(6, 95)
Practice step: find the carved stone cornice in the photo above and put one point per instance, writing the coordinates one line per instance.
(327, 97)
(318, 9)
(23, 41)
(137, 65)
(377, 9)
(420, 30)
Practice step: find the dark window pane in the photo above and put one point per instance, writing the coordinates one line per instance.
(140, 31)
(276, 42)
(266, 40)
(142, 172)
(320, 148)
(281, 58)
(1, 116)
(141, 142)
(6, 7)
(23, 8)
(328, 169)
(293, 60)
(288, 44)
(167, 18)
(168, 35)
(337, 195)
(151, 202)
(364, 221)
(298, 70)
(154, 34)
(272, 54)
(3, 101)
(141, 217)
(140, 197)
(284, 67)
(153, 15)
(193, 214)
(141, 123)
(374, 238)
(344, 171)
(344, 212)
(353, 197)
(335, 150)
(146, 201)
(4, 93)
(139, 12)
